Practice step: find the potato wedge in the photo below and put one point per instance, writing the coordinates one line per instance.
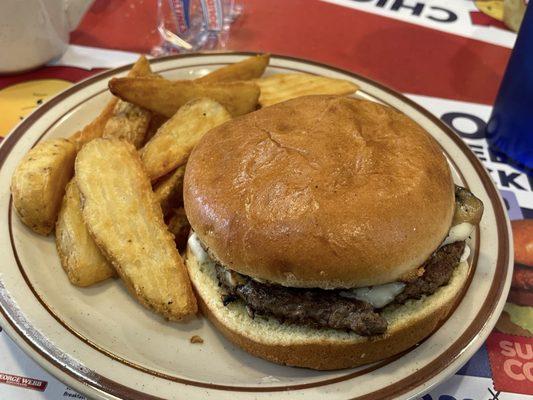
(123, 217)
(39, 181)
(179, 226)
(129, 122)
(141, 67)
(165, 97)
(280, 87)
(171, 145)
(96, 127)
(81, 259)
(169, 191)
(156, 122)
(247, 69)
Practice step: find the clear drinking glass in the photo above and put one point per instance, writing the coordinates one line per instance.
(192, 25)
(232, 10)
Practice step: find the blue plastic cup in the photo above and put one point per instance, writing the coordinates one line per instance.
(510, 128)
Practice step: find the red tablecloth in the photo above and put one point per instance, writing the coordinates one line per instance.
(407, 57)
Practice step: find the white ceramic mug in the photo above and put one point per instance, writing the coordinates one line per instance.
(33, 32)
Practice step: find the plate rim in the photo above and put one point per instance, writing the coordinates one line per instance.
(501, 216)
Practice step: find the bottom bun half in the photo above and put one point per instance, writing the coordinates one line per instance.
(322, 349)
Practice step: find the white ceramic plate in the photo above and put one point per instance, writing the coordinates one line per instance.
(104, 344)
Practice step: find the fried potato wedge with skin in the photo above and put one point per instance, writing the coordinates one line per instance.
(281, 87)
(96, 128)
(81, 259)
(156, 122)
(141, 67)
(179, 226)
(129, 122)
(169, 191)
(126, 222)
(247, 69)
(171, 145)
(166, 97)
(39, 181)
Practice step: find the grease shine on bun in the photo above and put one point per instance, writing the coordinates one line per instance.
(320, 191)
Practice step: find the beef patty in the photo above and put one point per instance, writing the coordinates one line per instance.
(327, 308)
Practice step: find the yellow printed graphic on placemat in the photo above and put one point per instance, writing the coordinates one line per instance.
(493, 8)
(18, 100)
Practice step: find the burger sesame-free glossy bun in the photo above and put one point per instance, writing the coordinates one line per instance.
(320, 191)
(324, 349)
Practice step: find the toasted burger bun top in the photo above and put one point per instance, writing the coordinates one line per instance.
(320, 191)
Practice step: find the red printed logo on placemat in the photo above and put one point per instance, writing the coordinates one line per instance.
(511, 360)
(21, 381)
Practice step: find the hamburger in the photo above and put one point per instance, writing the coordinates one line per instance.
(326, 232)
(517, 317)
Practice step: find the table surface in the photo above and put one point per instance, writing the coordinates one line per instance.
(444, 54)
